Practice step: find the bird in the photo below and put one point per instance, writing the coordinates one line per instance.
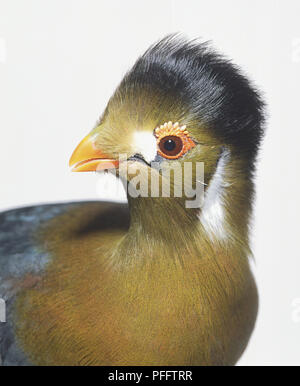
(164, 279)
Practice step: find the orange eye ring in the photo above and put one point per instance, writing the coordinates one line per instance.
(173, 141)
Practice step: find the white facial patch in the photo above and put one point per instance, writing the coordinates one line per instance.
(144, 143)
(212, 215)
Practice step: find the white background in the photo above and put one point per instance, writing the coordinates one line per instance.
(60, 61)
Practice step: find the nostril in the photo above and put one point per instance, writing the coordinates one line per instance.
(137, 157)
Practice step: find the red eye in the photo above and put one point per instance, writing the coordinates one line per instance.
(173, 140)
(170, 146)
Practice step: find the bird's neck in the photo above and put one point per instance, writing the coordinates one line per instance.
(160, 218)
(222, 220)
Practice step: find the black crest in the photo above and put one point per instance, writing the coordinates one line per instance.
(213, 88)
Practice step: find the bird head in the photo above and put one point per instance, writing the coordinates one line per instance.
(181, 103)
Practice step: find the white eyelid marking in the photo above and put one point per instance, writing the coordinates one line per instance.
(145, 143)
(212, 214)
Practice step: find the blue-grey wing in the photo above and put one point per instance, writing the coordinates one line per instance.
(20, 258)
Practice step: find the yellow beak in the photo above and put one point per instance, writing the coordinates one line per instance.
(86, 158)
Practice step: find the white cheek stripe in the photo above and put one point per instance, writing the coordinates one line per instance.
(212, 215)
(145, 143)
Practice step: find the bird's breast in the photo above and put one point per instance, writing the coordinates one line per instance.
(87, 311)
